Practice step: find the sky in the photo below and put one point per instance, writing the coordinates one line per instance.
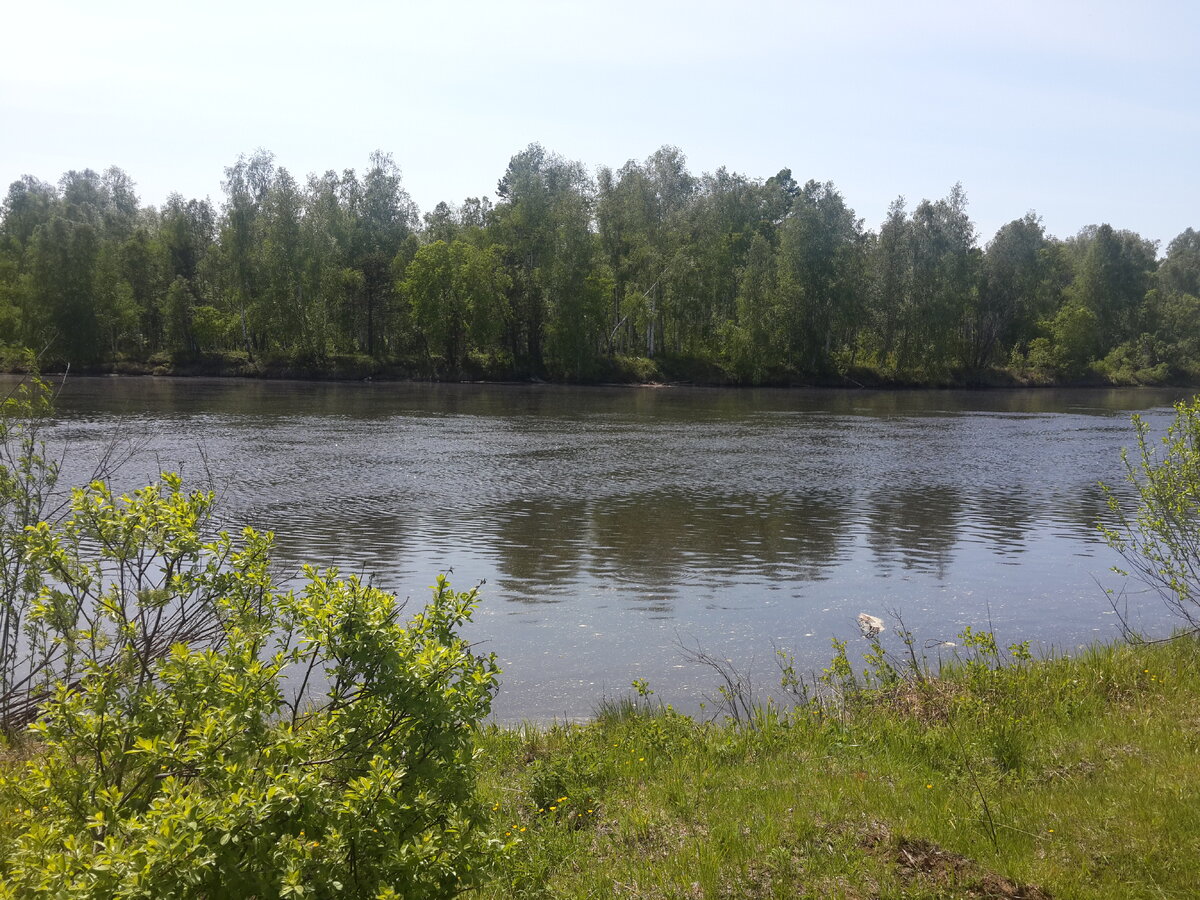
(1085, 112)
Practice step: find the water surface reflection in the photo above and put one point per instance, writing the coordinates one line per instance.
(608, 522)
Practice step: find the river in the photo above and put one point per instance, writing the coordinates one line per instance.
(611, 524)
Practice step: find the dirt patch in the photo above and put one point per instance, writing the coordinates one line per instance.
(929, 702)
(1084, 768)
(922, 862)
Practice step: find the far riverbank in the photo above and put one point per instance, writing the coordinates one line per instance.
(617, 370)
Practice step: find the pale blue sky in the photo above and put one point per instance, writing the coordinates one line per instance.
(1083, 111)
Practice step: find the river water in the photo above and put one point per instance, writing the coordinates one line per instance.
(612, 524)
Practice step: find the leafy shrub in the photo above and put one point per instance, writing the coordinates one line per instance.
(28, 476)
(1140, 361)
(313, 743)
(1160, 539)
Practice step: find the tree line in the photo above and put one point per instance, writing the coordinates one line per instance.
(578, 276)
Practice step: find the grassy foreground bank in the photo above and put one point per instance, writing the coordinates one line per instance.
(1067, 777)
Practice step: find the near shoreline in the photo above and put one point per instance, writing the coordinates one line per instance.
(1062, 777)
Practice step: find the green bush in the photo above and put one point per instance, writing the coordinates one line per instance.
(1160, 539)
(1140, 361)
(28, 479)
(308, 743)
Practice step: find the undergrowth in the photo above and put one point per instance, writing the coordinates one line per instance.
(1000, 776)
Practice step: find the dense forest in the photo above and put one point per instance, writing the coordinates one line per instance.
(639, 272)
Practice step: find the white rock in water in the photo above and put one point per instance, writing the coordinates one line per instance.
(869, 625)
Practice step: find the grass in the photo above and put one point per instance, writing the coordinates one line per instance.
(1066, 777)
